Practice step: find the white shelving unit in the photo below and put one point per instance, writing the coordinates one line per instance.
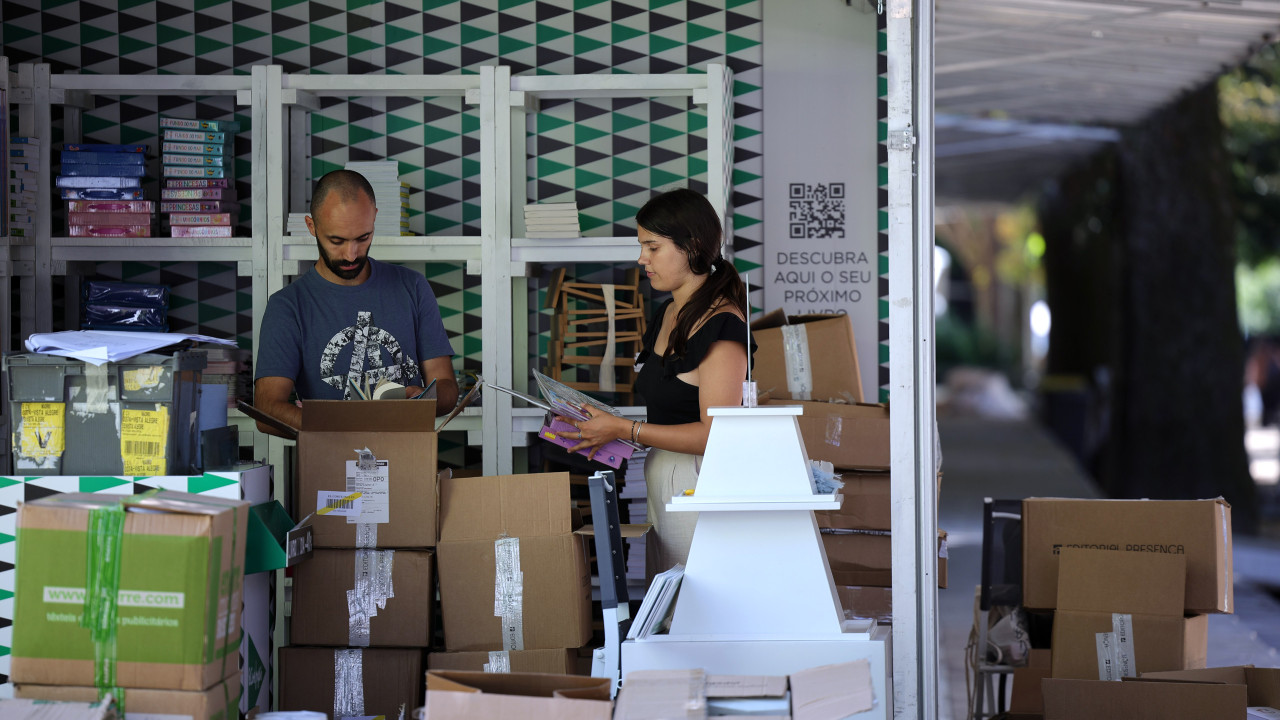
(280, 104)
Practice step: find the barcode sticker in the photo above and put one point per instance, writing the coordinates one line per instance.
(339, 503)
(144, 435)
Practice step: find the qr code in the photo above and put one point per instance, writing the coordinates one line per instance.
(817, 210)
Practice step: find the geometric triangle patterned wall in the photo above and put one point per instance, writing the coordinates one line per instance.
(608, 155)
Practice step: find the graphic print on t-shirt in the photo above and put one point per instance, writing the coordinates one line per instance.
(368, 342)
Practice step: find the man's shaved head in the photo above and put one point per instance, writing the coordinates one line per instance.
(344, 184)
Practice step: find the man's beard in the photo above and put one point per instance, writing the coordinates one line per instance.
(336, 267)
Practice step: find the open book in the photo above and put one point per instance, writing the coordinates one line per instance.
(563, 400)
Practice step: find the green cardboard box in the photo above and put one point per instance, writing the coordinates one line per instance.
(177, 597)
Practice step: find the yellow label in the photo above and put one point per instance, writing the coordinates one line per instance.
(139, 378)
(43, 431)
(143, 436)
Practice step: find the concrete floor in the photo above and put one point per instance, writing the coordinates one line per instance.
(1015, 459)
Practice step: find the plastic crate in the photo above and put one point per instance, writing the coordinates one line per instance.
(136, 417)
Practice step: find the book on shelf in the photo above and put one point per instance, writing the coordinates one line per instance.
(101, 193)
(104, 148)
(549, 207)
(541, 235)
(110, 206)
(196, 193)
(654, 615)
(196, 136)
(224, 126)
(109, 230)
(200, 231)
(90, 181)
(196, 183)
(111, 217)
(192, 171)
(195, 148)
(119, 171)
(201, 160)
(200, 219)
(94, 157)
(199, 206)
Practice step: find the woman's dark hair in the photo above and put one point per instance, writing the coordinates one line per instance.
(689, 221)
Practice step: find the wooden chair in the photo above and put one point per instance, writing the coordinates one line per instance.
(597, 325)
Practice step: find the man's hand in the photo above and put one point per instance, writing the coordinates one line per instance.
(440, 369)
(271, 396)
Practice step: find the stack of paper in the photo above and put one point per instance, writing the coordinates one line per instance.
(654, 615)
(390, 195)
(97, 347)
(23, 164)
(552, 220)
(633, 500)
(297, 224)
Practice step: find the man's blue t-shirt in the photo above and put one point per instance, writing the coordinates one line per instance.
(320, 334)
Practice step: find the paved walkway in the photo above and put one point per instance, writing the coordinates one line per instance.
(1004, 459)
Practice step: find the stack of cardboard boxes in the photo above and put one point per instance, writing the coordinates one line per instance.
(363, 603)
(812, 361)
(515, 586)
(1130, 584)
(141, 599)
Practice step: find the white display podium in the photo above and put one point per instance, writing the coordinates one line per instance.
(757, 597)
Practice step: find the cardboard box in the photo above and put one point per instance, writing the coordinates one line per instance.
(556, 604)
(323, 588)
(1198, 529)
(1139, 700)
(563, 661)
(849, 436)
(376, 681)
(1026, 697)
(827, 692)
(1094, 584)
(42, 710)
(806, 357)
(456, 695)
(144, 704)
(1263, 684)
(866, 503)
(400, 507)
(181, 560)
(873, 602)
(519, 517)
(866, 558)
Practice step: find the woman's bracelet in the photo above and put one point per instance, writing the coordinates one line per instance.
(635, 432)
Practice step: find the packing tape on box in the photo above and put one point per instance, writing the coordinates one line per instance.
(1224, 526)
(795, 352)
(1122, 628)
(508, 591)
(96, 388)
(608, 380)
(371, 590)
(499, 662)
(104, 542)
(834, 426)
(348, 683)
(1106, 656)
(366, 535)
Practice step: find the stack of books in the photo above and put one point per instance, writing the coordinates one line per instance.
(552, 220)
(391, 195)
(633, 501)
(104, 180)
(22, 172)
(297, 224)
(198, 198)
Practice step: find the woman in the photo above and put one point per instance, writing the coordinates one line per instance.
(695, 357)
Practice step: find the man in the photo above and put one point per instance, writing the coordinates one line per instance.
(353, 320)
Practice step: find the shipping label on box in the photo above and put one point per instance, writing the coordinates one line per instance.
(168, 567)
(1200, 530)
(398, 472)
(364, 598)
